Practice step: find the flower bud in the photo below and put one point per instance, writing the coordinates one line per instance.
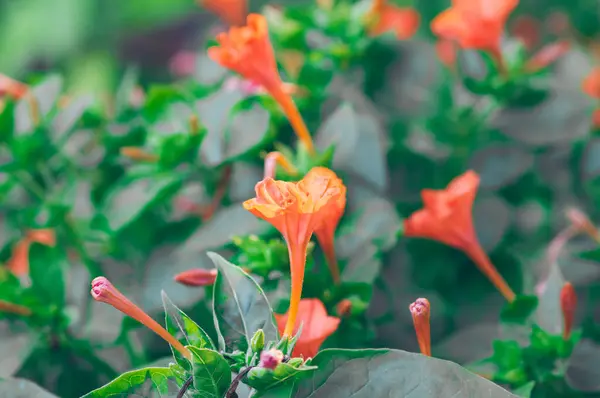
(270, 359)
(295, 362)
(104, 291)
(139, 154)
(258, 340)
(420, 311)
(344, 308)
(197, 277)
(568, 305)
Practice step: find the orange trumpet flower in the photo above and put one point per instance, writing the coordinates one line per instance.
(247, 50)
(18, 264)
(316, 327)
(385, 17)
(232, 12)
(475, 24)
(320, 176)
(12, 87)
(447, 218)
(591, 84)
(296, 209)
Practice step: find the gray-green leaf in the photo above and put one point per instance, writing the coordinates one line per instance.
(212, 374)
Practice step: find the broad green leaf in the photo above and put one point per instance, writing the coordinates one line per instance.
(249, 129)
(212, 375)
(47, 268)
(392, 373)
(263, 379)
(240, 306)
(519, 310)
(183, 328)
(130, 382)
(284, 391)
(21, 388)
(127, 203)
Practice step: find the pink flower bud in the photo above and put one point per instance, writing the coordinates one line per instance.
(197, 277)
(568, 305)
(420, 314)
(104, 291)
(270, 359)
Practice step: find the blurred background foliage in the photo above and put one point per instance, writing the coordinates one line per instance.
(400, 123)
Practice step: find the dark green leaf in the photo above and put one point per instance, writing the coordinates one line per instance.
(183, 328)
(240, 306)
(263, 379)
(212, 375)
(392, 373)
(130, 382)
(47, 268)
(127, 203)
(20, 388)
(519, 310)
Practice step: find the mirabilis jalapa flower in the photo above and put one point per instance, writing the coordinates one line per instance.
(297, 210)
(316, 327)
(447, 217)
(475, 24)
(247, 50)
(384, 17)
(104, 291)
(18, 264)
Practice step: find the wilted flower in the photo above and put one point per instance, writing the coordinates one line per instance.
(547, 55)
(568, 305)
(320, 177)
(447, 217)
(296, 209)
(386, 17)
(232, 12)
(420, 311)
(104, 291)
(270, 359)
(197, 277)
(316, 327)
(247, 50)
(475, 24)
(18, 264)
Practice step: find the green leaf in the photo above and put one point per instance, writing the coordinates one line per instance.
(519, 310)
(240, 306)
(45, 94)
(392, 373)
(130, 382)
(264, 379)
(212, 375)
(184, 329)
(126, 204)
(47, 268)
(21, 388)
(68, 117)
(525, 390)
(507, 355)
(583, 372)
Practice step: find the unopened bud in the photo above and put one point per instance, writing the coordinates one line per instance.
(270, 359)
(581, 221)
(257, 342)
(5, 306)
(344, 307)
(197, 277)
(420, 311)
(104, 291)
(295, 362)
(547, 56)
(136, 153)
(568, 305)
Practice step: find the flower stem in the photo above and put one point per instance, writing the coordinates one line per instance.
(291, 111)
(297, 263)
(481, 259)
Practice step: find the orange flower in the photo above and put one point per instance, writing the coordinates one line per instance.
(475, 24)
(591, 84)
(296, 209)
(232, 12)
(18, 264)
(322, 176)
(316, 327)
(568, 305)
(247, 50)
(104, 291)
(446, 52)
(385, 17)
(12, 87)
(447, 218)
(547, 55)
(420, 311)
